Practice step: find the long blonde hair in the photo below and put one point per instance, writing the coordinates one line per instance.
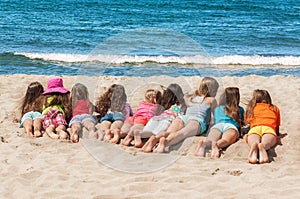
(152, 96)
(207, 88)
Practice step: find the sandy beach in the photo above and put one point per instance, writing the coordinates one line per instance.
(46, 168)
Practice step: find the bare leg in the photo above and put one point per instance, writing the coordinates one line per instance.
(126, 130)
(200, 150)
(127, 140)
(215, 151)
(108, 135)
(75, 129)
(228, 138)
(104, 130)
(27, 124)
(90, 126)
(267, 142)
(137, 128)
(126, 127)
(191, 129)
(213, 137)
(263, 155)
(116, 129)
(37, 125)
(153, 140)
(161, 146)
(50, 132)
(253, 156)
(137, 139)
(61, 131)
(253, 141)
(100, 134)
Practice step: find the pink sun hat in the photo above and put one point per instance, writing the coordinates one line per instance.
(55, 85)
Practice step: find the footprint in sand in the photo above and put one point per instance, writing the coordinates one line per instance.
(235, 172)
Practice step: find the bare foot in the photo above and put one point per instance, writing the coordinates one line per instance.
(100, 135)
(93, 135)
(29, 134)
(107, 136)
(37, 133)
(51, 134)
(137, 140)
(116, 137)
(200, 150)
(252, 157)
(74, 136)
(147, 148)
(63, 135)
(127, 140)
(215, 151)
(263, 155)
(161, 146)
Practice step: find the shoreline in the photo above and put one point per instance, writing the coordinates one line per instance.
(45, 168)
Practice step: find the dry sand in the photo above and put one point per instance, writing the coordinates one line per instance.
(45, 168)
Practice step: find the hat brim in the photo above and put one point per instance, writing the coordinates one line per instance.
(55, 90)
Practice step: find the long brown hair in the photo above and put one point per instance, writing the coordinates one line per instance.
(60, 99)
(32, 101)
(173, 94)
(80, 92)
(113, 98)
(231, 100)
(258, 96)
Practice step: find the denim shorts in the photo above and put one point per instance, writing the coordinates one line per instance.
(32, 115)
(186, 118)
(113, 116)
(81, 118)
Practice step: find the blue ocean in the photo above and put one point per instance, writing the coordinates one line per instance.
(149, 38)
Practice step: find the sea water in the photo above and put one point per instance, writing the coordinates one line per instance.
(148, 38)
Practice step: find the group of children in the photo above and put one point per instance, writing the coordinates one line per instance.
(163, 118)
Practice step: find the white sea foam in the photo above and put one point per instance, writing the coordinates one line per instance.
(198, 59)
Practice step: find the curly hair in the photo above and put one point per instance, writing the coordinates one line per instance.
(114, 98)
